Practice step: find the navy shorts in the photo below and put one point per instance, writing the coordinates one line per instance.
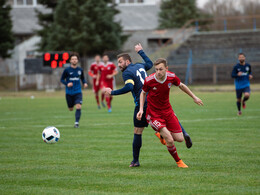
(239, 92)
(143, 121)
(73, 99)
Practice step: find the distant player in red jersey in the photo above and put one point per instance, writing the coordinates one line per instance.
(107, 72)
(159, 113)
(93, 72)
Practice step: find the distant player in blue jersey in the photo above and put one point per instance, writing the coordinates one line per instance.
(134, 76)
(242, 74)
(71, 77)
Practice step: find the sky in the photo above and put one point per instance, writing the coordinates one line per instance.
(201, 3)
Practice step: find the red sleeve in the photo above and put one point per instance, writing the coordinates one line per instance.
(145, 86)
(176, 81)
(113, 67)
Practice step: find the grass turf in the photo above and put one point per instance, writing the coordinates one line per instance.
(94, 159)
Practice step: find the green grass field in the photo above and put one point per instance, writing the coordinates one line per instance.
(94, 159)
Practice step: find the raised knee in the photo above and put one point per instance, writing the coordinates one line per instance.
(169, 141)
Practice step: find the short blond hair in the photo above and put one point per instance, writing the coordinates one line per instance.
(159, 61)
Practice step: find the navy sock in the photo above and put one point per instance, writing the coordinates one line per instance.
(239, 106)
(137, 144)
(183, 130)
(245, 99)
(77, 115)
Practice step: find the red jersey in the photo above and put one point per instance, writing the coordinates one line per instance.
(158, 92)
(94, 67)
(106, 70)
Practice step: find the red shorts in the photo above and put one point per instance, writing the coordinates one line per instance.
(169, 120)
(106, 84)
(96, 88)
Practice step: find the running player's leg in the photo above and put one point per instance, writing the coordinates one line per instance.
(78, 102)
(137, 144)
(70, 102)
(246, 96)
(173, 126)
(137, 140)
(186, 137)
(171, 147)
(108, 97)
(96, 90)
(239, 96)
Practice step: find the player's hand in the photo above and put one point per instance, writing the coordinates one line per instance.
(239, 73)
(85, 85)
(70, 84)
(138, 47)
(109, 76)
(97, 83)
(107, 91)
(139, 115)
(198, 101)
(250, 76)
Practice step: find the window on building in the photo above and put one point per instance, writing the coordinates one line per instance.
(17, 3)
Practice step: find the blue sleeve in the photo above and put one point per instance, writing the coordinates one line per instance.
(82, 77)
(63, 77)
(234, 72)
(148, 63)
(128, 87)
(250, 70)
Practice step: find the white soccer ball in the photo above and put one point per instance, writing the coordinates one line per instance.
(50, 135)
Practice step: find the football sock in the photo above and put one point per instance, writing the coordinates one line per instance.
(77, 114)
(245, 99)
(108, 102)
(97, 99)
(172, 150)
(183, 130)
(102, 97)
(137, 144)
(239, 106)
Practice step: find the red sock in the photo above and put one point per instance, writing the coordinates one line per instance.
(102, 97)
(108, 102)
(97, 99)
(173, 152)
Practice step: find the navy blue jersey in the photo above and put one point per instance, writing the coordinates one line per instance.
(243, 80)
(136, 74)
(73, 75)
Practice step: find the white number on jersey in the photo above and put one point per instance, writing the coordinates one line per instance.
(138, 73)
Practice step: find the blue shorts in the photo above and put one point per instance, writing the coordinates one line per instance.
(143, 121)
(73, 99)
(239, 92)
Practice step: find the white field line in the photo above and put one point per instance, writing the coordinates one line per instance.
(129, 123)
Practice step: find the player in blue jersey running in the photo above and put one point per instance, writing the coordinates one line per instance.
(71, 77)
(134, 76)
(242, 74)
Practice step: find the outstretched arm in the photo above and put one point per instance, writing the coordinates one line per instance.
(148, 62)
(128, 87)
(141, 109)
(197, 100)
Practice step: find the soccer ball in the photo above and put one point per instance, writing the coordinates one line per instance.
(50, 135)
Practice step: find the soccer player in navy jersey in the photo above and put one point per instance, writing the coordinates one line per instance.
(71, 77)
(159, 112)
(134, 76)
(242, 74)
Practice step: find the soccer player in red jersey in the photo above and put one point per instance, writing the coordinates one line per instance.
(159, 113)
(93, 72)
(107, 72)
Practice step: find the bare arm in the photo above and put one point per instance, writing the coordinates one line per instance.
(197, 100)
(141, 109)
(97, 79)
